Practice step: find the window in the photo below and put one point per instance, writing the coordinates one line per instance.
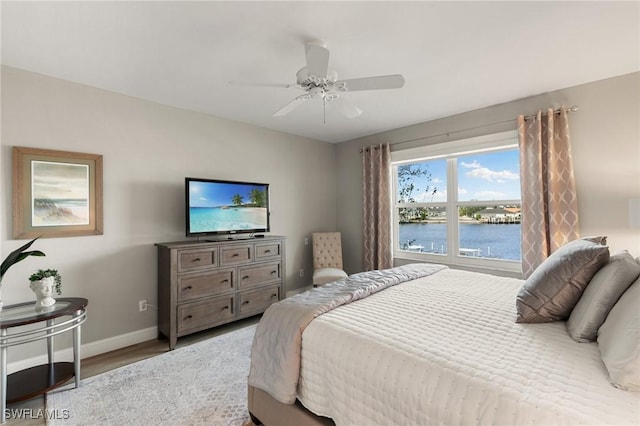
(459, 202)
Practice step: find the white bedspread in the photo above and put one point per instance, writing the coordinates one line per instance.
(275, 352)
(445, 349)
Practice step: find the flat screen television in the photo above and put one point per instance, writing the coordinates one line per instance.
(223, 207)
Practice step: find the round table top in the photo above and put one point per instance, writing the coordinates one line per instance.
(26, 313)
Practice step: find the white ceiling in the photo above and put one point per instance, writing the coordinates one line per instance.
(455, 56)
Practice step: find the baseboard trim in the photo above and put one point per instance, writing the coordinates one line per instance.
(89, 349)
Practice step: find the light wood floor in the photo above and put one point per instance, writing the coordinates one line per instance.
(108, 361)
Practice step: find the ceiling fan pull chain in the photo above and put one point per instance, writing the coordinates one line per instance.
(324, 111)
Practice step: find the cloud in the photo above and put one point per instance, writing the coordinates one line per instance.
(474, 165)
(478, 171)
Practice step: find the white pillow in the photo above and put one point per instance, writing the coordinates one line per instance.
(619, 340)
(602, 292)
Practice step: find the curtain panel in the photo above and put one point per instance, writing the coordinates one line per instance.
(376, 178)
(549, 200)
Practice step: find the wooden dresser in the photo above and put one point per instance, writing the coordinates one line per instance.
(205, 284)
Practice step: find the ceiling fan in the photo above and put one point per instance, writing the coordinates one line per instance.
(318, 81)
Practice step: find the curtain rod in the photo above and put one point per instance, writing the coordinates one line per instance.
(572, 108)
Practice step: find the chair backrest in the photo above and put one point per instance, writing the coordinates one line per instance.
(327, 250)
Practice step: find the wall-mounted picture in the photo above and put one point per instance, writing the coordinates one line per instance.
(56, 193)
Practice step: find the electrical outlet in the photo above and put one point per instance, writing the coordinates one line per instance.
(306, 241)
(142, 305)
(301, 273)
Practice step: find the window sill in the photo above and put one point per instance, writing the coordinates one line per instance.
(504, 268)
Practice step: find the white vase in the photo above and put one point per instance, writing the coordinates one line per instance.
(43, 289)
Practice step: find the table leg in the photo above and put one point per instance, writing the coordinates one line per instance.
(50, 348)
(76, 350)
(50, 342)
(3, 374)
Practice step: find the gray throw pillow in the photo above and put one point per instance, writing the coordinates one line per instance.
(554, 288)
(599, 239)
(603, 291)
(619, 341)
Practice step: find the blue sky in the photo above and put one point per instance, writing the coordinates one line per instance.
(215, 194)
(485, 176)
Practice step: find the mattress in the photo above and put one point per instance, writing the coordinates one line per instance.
(445, 349)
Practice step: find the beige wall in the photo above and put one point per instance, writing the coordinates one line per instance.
(605, 144)
(148, 150)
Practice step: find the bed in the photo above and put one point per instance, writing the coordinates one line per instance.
(434, 346)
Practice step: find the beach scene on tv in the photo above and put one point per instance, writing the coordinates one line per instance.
(222, 207)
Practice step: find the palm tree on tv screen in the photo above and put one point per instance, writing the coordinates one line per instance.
(237, 200)
(257, 197)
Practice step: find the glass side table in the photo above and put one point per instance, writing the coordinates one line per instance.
(35, 381)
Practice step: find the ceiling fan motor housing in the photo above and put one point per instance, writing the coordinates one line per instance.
(307, 81)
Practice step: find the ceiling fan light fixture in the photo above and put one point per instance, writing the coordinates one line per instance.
(318, 81)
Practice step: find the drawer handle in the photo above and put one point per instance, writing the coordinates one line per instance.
(274, 272)
(188, 317)
(235, 255)
(197, 259)
(274, 295)
(188, 287)
(246, 277)
(224, 281)
(246, 302)
(267, 251)
(226, 307)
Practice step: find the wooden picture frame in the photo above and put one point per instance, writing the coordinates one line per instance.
(56, 193)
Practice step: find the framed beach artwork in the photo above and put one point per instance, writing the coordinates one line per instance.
(56, 193)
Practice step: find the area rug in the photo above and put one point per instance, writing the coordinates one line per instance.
(201, 384)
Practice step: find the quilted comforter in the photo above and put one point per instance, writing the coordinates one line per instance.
(445, 349)
(275, 353)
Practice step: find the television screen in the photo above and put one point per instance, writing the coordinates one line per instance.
(225, 207)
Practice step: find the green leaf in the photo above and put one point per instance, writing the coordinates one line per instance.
(17, 256)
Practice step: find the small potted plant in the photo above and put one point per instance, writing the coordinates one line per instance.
(43, 281)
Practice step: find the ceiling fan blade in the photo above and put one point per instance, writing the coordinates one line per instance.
(394, 81)
(346, 108)
(291, 106)
(317, 59)
(249, 84)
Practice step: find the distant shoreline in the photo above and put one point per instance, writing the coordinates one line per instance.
(465, 220)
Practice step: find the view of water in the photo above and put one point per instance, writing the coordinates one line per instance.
(484, 240)
(209, 219)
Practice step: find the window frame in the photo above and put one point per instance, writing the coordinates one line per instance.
(451, 151)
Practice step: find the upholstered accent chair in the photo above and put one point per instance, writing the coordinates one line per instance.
(327, 257)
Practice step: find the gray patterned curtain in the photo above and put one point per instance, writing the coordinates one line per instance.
(376, 178)
(549, 202)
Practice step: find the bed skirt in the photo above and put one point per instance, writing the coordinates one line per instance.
(271, 412)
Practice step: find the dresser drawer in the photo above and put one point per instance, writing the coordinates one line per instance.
(207, 312)
(195, 259)
(258, 300)
(249, 276)
(202, 284)
(267, 250)
(236, 254)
